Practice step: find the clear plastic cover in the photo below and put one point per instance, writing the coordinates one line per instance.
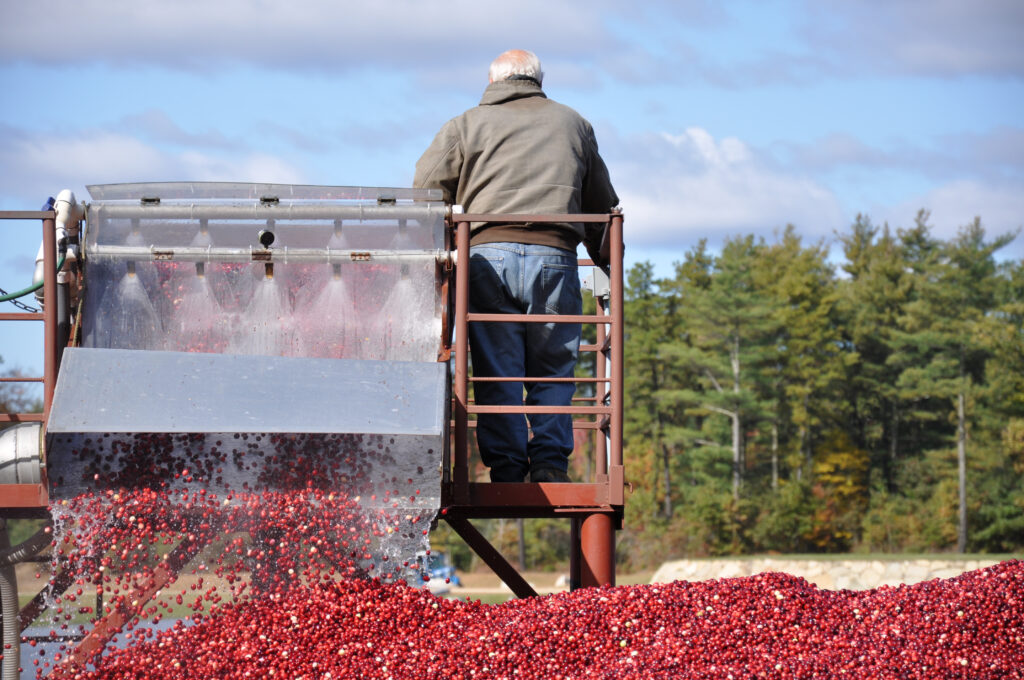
(348, 272)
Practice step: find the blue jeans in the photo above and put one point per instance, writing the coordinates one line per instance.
(515, 278)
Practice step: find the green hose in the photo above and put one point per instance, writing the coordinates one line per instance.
(31, 289)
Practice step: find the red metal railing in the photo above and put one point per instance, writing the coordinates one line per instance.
(594, 506)
(35, 495)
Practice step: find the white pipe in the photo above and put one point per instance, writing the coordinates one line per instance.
(40, 272)
(69, 213)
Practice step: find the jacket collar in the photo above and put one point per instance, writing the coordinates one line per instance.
(507, 90)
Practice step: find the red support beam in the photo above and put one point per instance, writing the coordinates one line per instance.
(461, 384)
(21, 417)
(26, 214)
(578, 410)
(617, 337)
(538, 496)
(589, 218)
(541, 318)
(21, 316)
(25, 495)
(597, 550)
(491, 557)
(133, 603)
(600, 436)
(50, 349)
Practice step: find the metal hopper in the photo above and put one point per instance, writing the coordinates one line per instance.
(258, 336)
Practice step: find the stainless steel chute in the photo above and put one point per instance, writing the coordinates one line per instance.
(254, 325)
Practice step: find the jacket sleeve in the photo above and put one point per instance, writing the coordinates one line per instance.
(597, 196)
(441, 164)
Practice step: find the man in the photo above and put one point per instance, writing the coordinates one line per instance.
(518, 152)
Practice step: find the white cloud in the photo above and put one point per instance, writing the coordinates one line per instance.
(322, 35)
(956, 204)
(41, 164)
(994, 155)
(252, 167)
(446, 41)
(923, 37)
(676, 189)
(157, 126)
(809, 41)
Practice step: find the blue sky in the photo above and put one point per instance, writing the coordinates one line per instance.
(716, 118)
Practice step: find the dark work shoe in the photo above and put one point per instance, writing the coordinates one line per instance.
(507, 476)
(549, 476)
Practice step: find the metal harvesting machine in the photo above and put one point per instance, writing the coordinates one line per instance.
(205, 341)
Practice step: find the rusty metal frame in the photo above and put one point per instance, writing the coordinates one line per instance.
(595, 509)
(33, 499)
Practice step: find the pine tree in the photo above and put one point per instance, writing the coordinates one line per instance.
(802, 377)
(730, 325)
(649, 328)
(935, 347)
(870, 303)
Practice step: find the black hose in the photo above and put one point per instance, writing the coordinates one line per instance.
(63, 319)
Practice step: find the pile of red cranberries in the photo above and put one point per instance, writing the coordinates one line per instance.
(766, 626)
(219, 557)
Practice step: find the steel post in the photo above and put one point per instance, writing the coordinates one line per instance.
(597, 550)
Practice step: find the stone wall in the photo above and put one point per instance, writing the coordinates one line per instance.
(831, 574)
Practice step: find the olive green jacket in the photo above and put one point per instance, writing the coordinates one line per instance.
(519, 152)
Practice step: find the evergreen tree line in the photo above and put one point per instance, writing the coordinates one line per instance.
(777, 403)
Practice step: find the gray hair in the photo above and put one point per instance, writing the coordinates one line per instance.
(516, 63)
